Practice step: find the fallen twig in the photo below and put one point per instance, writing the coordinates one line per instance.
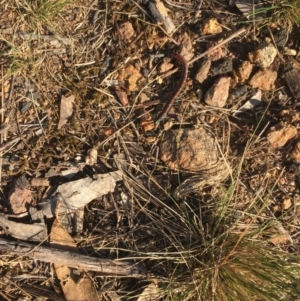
(232, 36)
(34, 36)
(198, 57)
(74, 260)
(8, 144)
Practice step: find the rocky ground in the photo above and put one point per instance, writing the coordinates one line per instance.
(199, 203)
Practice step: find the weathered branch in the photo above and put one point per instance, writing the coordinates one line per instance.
(74, 260)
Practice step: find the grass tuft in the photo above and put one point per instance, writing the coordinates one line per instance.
(41, 12)
(274, 11)
(215, 260)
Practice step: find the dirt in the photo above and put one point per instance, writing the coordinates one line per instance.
(90, 77)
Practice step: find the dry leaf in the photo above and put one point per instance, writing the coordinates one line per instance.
(279, 239)
(122, 96)
(91, 157)
(286, 204)
(19, 196)
(66, 109)
(76, 284)
(150, 293)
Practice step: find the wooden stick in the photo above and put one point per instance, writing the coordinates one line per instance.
(7, 144)
(74, 260)
(232, 36)
(211, 49)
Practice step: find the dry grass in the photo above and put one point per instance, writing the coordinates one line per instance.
(212, 243)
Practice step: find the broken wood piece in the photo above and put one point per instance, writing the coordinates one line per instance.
(160, 14)
(8, 144)
(77, 194)
(74, 260)
(31, 232)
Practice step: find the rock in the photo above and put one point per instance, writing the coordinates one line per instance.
(202, 72)
(221, 66)
(217, 95)
(129, 75)
(126, 32)
(289, 51)
(264, 79)
(211, 26)
(164, 67)
(281, 37)
(264, 55)
(186, 44)
(280, 134)
(190, 149)
(292, 78)
(193, 150)
(215, 54)
(244, 71)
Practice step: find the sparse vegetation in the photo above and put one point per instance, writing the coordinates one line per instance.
(276, 11)
(213, 243)
(40, 13)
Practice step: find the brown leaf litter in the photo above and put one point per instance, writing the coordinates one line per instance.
(66, 109)
(118, 174)
(76, 284)
(20, 197)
